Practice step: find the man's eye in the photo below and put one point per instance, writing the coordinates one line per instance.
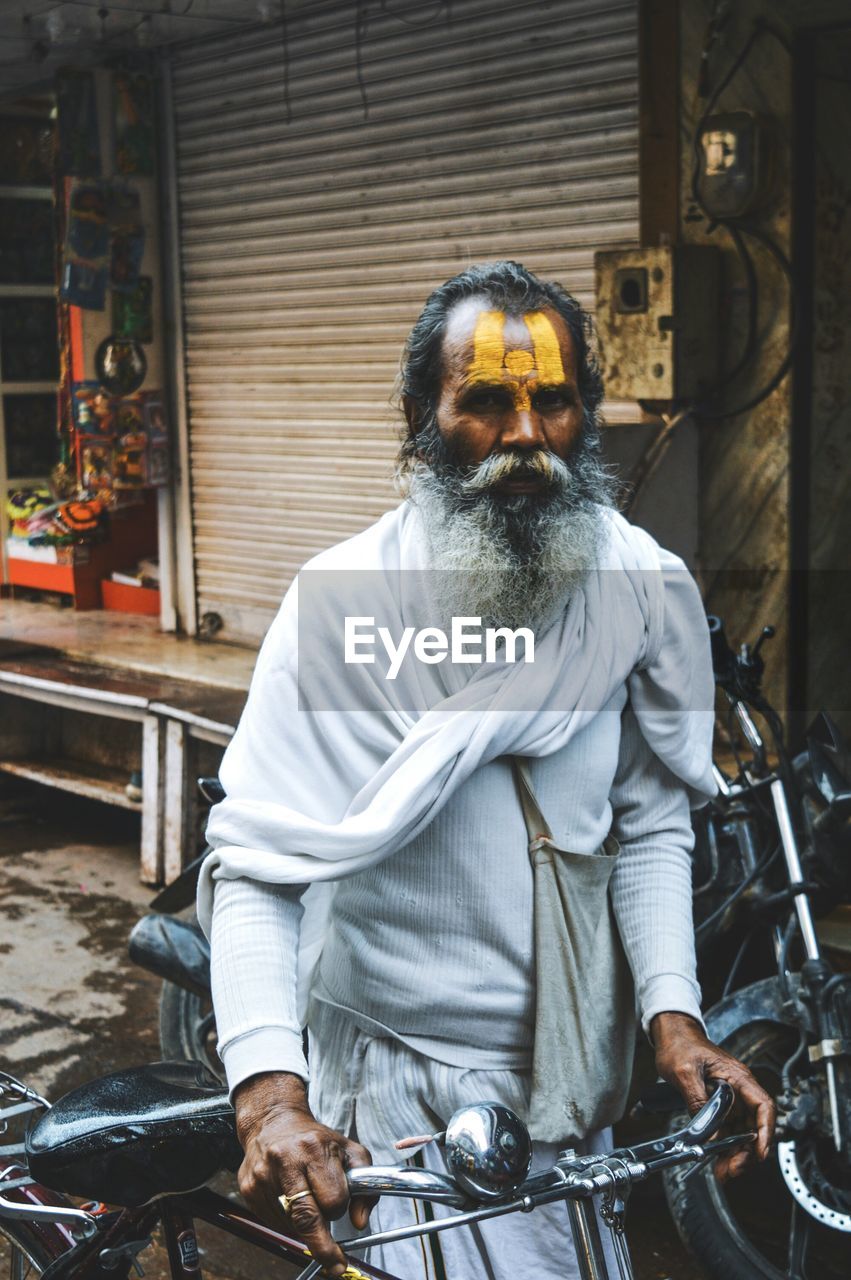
(487, 398)
(553, 398)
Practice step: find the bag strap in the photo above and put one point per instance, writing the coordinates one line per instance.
(537, 826)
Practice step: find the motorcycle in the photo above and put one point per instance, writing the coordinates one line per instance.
(169, 942)
(773, 851)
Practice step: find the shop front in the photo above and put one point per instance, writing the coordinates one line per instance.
(211, 250)
(84, 441)
(328, 174)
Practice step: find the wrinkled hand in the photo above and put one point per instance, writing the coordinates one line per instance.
(688, 1061)
(287, 1150)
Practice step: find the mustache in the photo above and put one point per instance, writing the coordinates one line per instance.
(539, 464)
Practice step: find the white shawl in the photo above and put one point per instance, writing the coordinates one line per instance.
(334, 767)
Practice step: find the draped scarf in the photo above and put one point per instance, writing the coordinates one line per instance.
(334, 767)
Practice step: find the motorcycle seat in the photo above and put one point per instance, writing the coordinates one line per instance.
(159, 1129)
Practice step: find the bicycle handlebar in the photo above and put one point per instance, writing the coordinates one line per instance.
(572, 1176)
(406, 1180)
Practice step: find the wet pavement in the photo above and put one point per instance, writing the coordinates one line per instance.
(73, 1007)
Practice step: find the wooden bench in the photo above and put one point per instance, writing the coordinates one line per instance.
(85, 728)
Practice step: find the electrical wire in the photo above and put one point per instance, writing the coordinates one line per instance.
(735, 229)
(650, 461)
(786, 1069)
(656, 451)
(794, 334)
(702, 930)
(838, 980)
(749, 348)
(734, 967)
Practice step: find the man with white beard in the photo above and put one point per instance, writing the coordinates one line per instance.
(406, 822)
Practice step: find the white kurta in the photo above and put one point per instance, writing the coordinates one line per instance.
(435, 945)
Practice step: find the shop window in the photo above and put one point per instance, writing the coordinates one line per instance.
(29, 341)
(31, 443)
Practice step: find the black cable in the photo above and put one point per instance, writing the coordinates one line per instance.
(702, 929)
(734, 967)
(786, 1069)
(758, 30)
(837, 981)
(650, 460)
(735, 228)
(749, 349)
(765, 391)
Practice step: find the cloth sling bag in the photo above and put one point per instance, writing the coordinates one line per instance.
(585, 1017)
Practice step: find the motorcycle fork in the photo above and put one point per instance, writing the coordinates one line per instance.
(815, 971)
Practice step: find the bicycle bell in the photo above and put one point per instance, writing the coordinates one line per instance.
(487, 1150)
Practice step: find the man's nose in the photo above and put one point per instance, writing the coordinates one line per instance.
(523, 429)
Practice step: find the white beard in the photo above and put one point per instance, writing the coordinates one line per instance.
(513, 562)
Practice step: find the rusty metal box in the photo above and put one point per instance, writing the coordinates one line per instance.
(657, 321)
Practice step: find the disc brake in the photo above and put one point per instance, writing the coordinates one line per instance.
(790, 1170)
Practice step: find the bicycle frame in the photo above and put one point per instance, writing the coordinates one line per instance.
(128, 1234)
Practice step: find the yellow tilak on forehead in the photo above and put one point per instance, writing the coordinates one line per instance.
(488, 347)
(491, 361)
(547, 351)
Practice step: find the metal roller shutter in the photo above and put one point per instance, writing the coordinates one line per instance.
(327, 181)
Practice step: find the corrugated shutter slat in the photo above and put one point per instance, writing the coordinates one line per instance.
(309, 244)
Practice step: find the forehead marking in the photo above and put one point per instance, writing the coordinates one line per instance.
(491, 361)
(547, 350)
(488, 347)
(519, 362)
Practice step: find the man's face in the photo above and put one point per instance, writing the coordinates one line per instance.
(509, 386)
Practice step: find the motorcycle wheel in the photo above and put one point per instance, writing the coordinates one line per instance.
(188, 1028)
(743, 1230)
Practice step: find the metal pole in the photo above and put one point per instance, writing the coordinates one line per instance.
(793, 864)
(586, 1240)
(182, 548)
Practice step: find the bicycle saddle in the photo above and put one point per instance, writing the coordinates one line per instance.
(153, 1130)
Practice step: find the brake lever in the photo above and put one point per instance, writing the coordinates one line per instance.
(710, 1116)
(706, 1121)
(714, 1149)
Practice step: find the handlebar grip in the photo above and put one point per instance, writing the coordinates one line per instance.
(405, 1180)
(722, 655)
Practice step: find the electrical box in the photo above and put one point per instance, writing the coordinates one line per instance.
(735, 174)
(657, 321)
